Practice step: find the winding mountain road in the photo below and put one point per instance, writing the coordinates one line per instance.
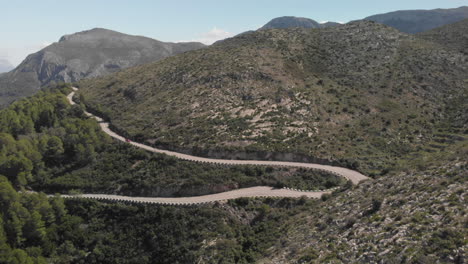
(261, 191)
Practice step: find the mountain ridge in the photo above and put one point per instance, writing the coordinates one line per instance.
(85, 54)
(292, 22)
(415, 21)
(359, 79)
(453, 36)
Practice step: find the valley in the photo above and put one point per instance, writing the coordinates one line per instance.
(262, 191)
(300, 141)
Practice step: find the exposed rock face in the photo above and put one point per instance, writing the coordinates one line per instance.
(415, 21)
(85, 54)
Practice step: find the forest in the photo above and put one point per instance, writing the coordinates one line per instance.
(50, 146)
(38, 229)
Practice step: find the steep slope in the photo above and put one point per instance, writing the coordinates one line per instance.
(296, 22)
(414, 21)
(5, 65)
(85, 54)
(454, 36)
(362, 94)
(416, 216)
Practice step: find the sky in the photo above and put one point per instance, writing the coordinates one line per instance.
(27, 26)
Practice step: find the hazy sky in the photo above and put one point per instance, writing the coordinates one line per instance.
(26, 26)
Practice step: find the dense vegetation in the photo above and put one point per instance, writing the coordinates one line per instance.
(414, 211)
(125, 170)
(49, 145)
(32, 227)
(43, 136)
(362, 94)
(240, 231)
(37, 229)
(417, 216)
(46, 144)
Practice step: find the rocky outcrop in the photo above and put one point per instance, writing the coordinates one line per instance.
(86, 54)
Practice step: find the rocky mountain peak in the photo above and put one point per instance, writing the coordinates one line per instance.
(290, 22)
(85, 54)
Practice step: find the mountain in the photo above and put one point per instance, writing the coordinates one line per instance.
(393, 104)
(5, 65)
(414, 216)
(415, 21)
(329, 24)
(363, 94)
(81, 55)
(454, 36)
(293, 22)
(288, 22)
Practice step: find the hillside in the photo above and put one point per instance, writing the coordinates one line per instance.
(81, 55)
(415, 21)
(289, 22)
(296, 22)
(414, 216)
(362, 94)
(47, 144)
(454, 36)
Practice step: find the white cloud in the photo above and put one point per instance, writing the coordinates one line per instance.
(212, 36)
(18, 53)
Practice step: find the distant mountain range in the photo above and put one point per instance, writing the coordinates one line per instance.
(85, 54)
(415, 21)
(5, 65)
(98, 52)
(454, 36)
(292, 22)
(408, 21)
(289, 22)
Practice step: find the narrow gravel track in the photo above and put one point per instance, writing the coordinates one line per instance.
(261, 191)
